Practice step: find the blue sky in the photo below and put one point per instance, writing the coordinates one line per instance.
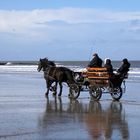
(69, 29)
(125, 5)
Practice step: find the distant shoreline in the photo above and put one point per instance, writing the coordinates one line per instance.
(3, 63)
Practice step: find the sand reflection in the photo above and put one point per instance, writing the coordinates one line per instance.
(104, 123)
(97, 120)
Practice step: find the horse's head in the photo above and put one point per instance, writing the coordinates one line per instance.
(43, 63)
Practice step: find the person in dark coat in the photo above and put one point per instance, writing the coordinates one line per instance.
(96, 61)
(108, 65)
(124, 68)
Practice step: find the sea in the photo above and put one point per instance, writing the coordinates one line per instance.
(15, 67)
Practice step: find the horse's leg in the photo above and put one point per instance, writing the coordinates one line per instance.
(60, 92)
(55, 88)
(48, 82)
(47, 92)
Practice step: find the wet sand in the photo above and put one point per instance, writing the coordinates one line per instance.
(26, 114)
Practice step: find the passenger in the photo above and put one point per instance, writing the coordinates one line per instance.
(79, 77)
(108, 65)
(96, 61)
(124, 68)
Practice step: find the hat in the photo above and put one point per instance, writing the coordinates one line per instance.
(125, 60)
(95, 54)
(106, 59)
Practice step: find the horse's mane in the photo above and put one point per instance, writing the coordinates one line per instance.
(47, 62)
(51, 63)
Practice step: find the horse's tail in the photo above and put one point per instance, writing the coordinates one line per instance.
(71, 77)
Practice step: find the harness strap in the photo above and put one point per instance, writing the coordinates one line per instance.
(48, 74)
(54, 73)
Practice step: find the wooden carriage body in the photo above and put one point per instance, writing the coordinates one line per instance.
(98, 77)
(98, 81)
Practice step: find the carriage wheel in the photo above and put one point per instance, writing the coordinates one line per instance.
(95, 93)
(116, 93)
(74, 91)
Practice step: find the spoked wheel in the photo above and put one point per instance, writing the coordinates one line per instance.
(116, 93)
(74, 91)
(95, 93)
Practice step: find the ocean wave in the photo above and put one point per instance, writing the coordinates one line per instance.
(33, 68)
(18, 68)
(134, 73)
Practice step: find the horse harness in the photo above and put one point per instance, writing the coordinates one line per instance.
(48, 70)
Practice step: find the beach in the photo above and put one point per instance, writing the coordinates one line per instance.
(26, 114)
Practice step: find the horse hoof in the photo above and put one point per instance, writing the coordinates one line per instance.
(69, 95)
(46, 95)
(54, 94)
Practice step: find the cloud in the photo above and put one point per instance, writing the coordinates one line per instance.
(68, 29)
(20, 20)
(39, 23)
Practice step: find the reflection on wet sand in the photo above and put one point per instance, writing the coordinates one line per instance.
(104, 123)
(99, 122)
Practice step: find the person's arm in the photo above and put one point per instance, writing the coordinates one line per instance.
(120, 69)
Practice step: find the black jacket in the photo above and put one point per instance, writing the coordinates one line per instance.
(95, 62)
(109, 66)
(124, 68)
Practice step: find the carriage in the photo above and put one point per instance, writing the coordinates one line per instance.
(94, 80)
(98, 81)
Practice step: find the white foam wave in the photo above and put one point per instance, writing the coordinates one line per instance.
(33, 68)
(18, 68)
(134, 72)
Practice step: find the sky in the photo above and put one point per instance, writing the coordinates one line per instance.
(69, 29)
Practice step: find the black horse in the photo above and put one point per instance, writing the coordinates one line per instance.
(57, 75)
